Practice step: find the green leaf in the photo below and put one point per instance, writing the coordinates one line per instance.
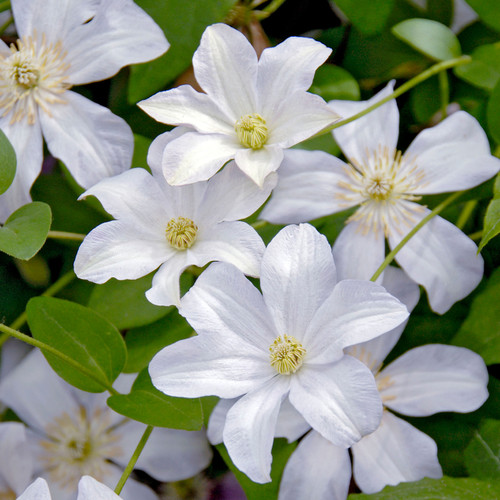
(489, 12)
(423, 102)
(493, 113)
(433, 39)
(368, 16)
(481, 329)
(269, 491)
(7, 163)
(446, 488)
(492, 218)
(482, 456)
(124, 303)
(334, 82)
(82, 335)
(183, 23)
(25, 231)
(147, 404)
(144, 342)
(484, 69)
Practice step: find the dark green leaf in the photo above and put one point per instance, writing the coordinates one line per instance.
(484, 69)
(423, 103)
(124, 303)
(82, 335)
(493, 113)
(25, 231)
(489, 12)
(482, 456)
(369, 16)
(433, 39)
(334, 82)
(7, 163)
(492, 217)
(147, 404)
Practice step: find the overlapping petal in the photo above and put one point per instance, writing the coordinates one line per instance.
(258, 164)
(89, 488)
(38, 490)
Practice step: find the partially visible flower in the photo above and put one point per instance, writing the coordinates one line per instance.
(173, 227)
(251, 109)
(284, 343)
(72, 433)
(452, 156)
(64, 43)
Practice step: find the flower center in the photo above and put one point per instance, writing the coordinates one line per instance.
(32, 75)
(287, 354)
(252, 131)
(181, 233)
(79, 444)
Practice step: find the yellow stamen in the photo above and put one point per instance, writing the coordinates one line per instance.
(181, 233)
(252, 131)
(287, 354)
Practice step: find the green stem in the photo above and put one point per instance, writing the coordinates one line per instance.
(433, 70)
(476, 236)
(47, 348)
(259, 223)
(466, 213)
(267, 11)
(444, 93)
(133, 459)
(62, 235)
(422, 223)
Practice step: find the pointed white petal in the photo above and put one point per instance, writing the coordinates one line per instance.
(378, 129)
(38, 490)
(157, 148)
(259, 164)
(297, 276)
(434, 378)
(316, 469)
(119, 34)
(339, 400)
(453, 155)
(442, 259)
(90, 489)
(396, 452)
(250, 425)
(225, 66)
(91, 141)
(308, 188)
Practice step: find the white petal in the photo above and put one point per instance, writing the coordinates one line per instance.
(38, 490)
(358, 254)
(435, 378)
(258, 164)
(218, 365)
(317, 470)
(291, 424)
(157, 147)
(339, 400)
(90, 489)
(396, 452)
(184, 106)
(356, 311)
(308, 188)
(378, 129)
(397, 283)
(442, 259)
(27, 143)
(453, 155)
(225, 66)
(249, 430)
(119, 34)
(287, 68)
(218, 420)
(91, 141)
(297, 276)
(13, 352)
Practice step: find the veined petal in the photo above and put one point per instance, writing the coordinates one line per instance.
(287, 68)
(120, 33)
(297, 276)
(453, 155)
(339, 400)
(259, 164)
(308, 188)
(316, 469)
(378, 129)
(38, 490)
(90, 489)
(433, 256)
(396, 452)
(358, 254)
(27, 143)
(184, 106)
(219, 365)
(250, 425)
(91, 141)
(434, 378)
(225, 66)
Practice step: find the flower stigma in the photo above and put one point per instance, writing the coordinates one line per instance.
(252, 131)
(181, 233)
(287, 354)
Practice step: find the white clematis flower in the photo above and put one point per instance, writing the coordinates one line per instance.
(286, 342)
(251, 109)
(452, 156)
(72, 433)
(173, 227)
(64, 43)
